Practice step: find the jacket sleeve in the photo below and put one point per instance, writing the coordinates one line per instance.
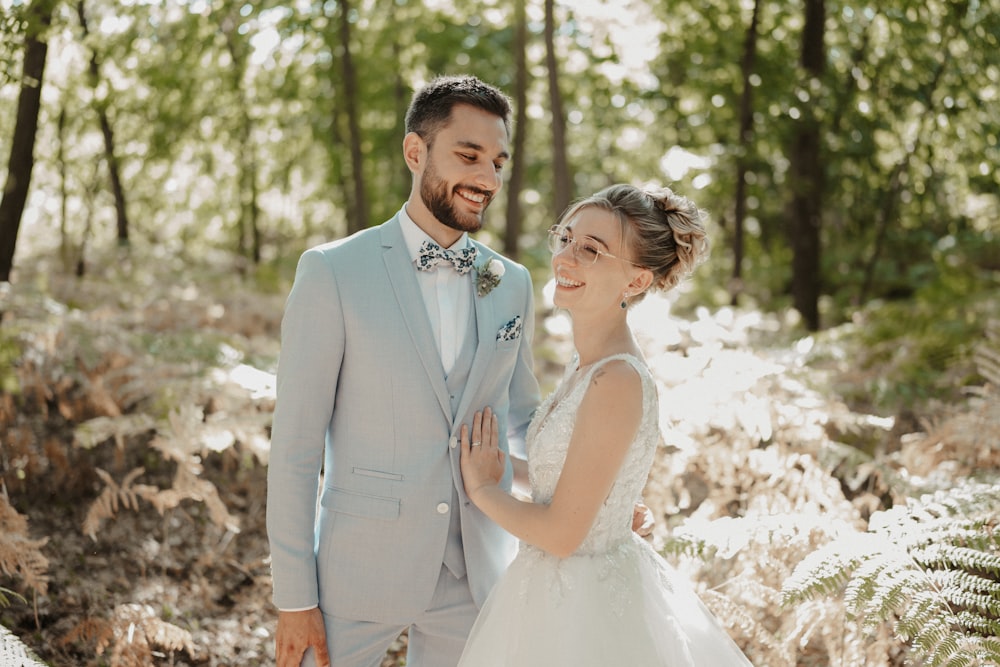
(312, 348)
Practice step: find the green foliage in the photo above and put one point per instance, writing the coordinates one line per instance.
(932, 566)
(228, 110)
(12, 30)
(904, 353)
(5, 601)
(10, 352)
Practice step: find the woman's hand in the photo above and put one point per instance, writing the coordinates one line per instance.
(482, 461)
(642, 520)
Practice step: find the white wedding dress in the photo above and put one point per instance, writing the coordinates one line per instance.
(613, 603)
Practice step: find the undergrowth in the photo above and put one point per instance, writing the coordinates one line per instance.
(819, 533)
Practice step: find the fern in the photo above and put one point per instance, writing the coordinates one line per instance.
(186, 486)
(5, 601)
(932, 567)
(21, 556)
(987, 355)
(183, 437)
(131, 634)
(691, 546)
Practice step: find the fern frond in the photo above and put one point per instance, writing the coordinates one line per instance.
(961, 660)
(5, 601)
(987, 355)
(978, 535)
(989, 649)
(131, 633)
(940, 645)
(827, 570)
(833, 455)
(987, 626)
(21, 556)
(188, 486)
(936, 639)
(933, 565)
(965, 581)
(740, 621)
(106, 505)
(678, 544)
(882, 564)
(946, 556)
(966, 599)
(972, 498)
(923, 608)
(97, 631)
(93, 432)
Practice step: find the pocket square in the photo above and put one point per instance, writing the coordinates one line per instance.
(511, 330)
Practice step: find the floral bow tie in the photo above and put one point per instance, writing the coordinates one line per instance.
(431, 255)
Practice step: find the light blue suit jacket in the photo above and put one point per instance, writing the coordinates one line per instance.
(362, 396)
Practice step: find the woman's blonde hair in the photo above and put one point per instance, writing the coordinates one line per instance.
(662, 230)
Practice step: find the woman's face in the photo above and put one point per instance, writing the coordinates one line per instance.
(592, 269)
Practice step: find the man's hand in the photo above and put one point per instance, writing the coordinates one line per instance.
(297, 631)
(642, 520)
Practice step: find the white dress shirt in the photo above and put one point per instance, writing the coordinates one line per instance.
(447, 295)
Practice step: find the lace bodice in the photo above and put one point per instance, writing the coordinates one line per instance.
(548, 441)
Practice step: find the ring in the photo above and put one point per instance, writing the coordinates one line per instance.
(476, 443)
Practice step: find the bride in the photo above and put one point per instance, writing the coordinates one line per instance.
(584, 590)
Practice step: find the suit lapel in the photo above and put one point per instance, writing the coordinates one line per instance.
(399, 267)
(485, 326)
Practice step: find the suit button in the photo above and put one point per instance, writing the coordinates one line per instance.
(442, 508)
(453, 443)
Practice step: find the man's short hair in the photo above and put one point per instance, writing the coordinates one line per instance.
(430, 108)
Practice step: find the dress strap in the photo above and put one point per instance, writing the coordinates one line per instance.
(633, 361)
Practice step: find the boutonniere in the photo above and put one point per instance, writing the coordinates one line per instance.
(488, 276)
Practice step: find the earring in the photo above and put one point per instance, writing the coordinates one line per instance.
(624, 303)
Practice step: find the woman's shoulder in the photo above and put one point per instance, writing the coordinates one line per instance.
(617, 376)
(620, 378)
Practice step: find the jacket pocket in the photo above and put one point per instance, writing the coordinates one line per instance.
(512, 344)
(378, 474)
(361, 504)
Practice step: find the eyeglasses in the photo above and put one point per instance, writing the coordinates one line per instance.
(585, 249)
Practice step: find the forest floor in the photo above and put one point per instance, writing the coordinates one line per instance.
(184, 579)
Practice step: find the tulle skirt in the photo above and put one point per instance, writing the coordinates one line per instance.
(623, 608)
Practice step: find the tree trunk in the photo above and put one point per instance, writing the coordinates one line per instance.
(399, 180)
(562, 181)
(358, 216)
(101, 106)
(89, 195)
(745, 146)
(248, 227)
(22, 145)
(255, 237)
(512, 232)
(115, 175)
(807, 178)
(63, 189)
(249, 231)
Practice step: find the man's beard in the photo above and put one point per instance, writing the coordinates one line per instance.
(434, 193)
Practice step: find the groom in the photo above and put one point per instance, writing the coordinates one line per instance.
(391, 340)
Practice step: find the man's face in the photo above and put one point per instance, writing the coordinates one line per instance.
(464, 168)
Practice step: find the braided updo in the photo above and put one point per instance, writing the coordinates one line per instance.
(663, 230)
